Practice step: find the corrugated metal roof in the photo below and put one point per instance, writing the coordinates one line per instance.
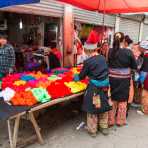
(95, 18)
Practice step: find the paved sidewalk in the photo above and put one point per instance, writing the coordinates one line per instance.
(62, 133)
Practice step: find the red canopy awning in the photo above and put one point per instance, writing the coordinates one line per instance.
(111, 6)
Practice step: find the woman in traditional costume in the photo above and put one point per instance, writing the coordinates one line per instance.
(121, 61)
(95, 102)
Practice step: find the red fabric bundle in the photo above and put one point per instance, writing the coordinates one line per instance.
(58, 89)
(24, 99)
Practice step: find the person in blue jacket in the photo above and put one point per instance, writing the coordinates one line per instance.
(95, 103)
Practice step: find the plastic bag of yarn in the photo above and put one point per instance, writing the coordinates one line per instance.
(19, 88)
(19, 82)
(54, 78)
(67, 77)
(27, 78)
(76, 86)
(32, 83)
(7, 94)
(43, 84)
(11, 78)
(24, 98)
(60, 91)
(39, 75)
(6, 84)
(41, 95)
(76, 77)
(58, 71)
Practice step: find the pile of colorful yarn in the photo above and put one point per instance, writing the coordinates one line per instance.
(30, 88)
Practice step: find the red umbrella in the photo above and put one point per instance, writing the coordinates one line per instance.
(111, 6)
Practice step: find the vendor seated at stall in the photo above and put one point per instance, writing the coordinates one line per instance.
(19, 64)
(30, 62)
(54, 58)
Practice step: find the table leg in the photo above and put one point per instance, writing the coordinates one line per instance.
(36, 127)
(15, 132)
(10, 133)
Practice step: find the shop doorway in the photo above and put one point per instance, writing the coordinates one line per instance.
(51, 34)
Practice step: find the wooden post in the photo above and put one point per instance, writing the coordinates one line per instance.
(68, 36)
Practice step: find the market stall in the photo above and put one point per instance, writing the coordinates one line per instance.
(37, 90)
(13, 134)
(28, 92)
(28, 30)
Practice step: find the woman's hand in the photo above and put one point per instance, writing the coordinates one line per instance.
(110, 102)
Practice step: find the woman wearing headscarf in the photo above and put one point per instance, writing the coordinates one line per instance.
(95, 102)
(121, 61)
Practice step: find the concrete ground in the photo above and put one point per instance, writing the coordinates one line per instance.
(59, 131)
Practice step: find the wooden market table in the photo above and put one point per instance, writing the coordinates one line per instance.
(13, 134)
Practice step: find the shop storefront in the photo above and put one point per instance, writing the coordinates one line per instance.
(40, 22)
(103, 34)
(145, 29)
(130, 27)
(34, 26)
(31, 29)
(31, 34)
